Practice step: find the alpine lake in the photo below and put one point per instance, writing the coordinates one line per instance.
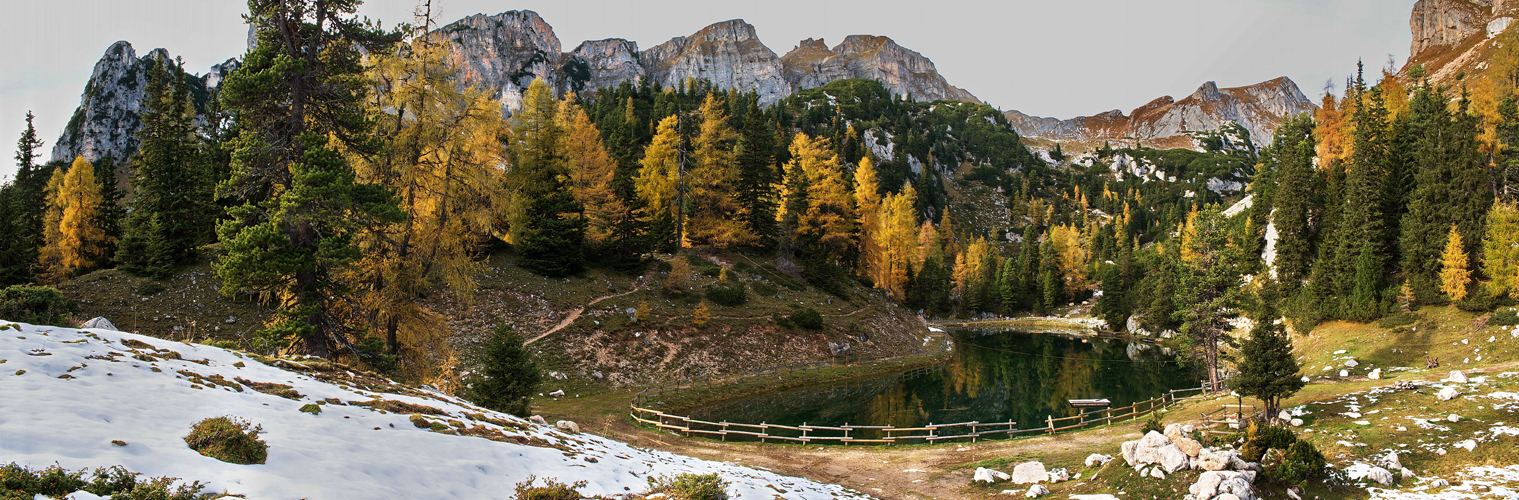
(989, 376)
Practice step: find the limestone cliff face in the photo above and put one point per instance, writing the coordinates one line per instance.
(1456, 37)
(904, 71)
(602, 63)
(1438, 23)
(110, 110)
(502, 54)
(1165, 122)
(727, 53)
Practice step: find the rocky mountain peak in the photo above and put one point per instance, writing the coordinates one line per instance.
(1445, 23)
(1207, 92)
(503, 53)
(109, 112)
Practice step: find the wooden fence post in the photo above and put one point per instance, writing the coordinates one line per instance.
(1050, 419)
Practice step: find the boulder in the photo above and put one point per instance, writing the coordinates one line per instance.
(1447, 394)
(1036, 491)
(100, 323)
(1188, 445)
(1156, 473)
(1154, 440)
(568, 426)
(1283, 416)
(1173, 432)
(986, 475)
(1173, 459)
(1127, 451)
(1344, 373)
(1468, 445)
(1215, 484)
(1391, 461)
(1215, 460)
(538, 419)
(1375, 374)
(1030, 473)
(1059, 476)
(1352, 363)
(1097, 460)
(1453, 418)
(1457, 377)
(1296, 422)
(1380, 475)
(557, 394)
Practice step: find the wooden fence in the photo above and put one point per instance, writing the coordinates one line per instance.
(886, 434)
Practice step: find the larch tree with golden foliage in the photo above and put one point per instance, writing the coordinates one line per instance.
(591, 171)
(898, 235)
(1455, 274)
(1500, 250)
(1073, 255)
(658, 176)
(441, 155)
(867, 201)
(73, 242)
(814, 173)
(716, 216)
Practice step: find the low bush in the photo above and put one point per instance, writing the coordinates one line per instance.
(1396, 320)
(690, 486)
(732, 295)
(551, 490)
(1505, 318)
(372, 350)
(38, 305)
(508, 375)
(229, 439)
(1300, 464)
(808, 318)
(20, 483)
(1260, 437)
(1153, 424)
(764, 289)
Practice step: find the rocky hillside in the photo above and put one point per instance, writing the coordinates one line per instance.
(1167, 123)
(109, 112)
(1453, 37)
(505, 52)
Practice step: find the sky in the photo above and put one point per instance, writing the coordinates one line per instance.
(1045, 58)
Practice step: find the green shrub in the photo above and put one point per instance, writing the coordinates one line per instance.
(38, 305)
(808, 318)
(1259, 438)
(20, 483)
(508, 376)
(312, 408)
(1302, 463)
(420, 421)
(229, 439)
(1153, 424)
(764, 289)
(732, 295)
(372, 350)
(1504, 318)
(688, 486)
(551, 490)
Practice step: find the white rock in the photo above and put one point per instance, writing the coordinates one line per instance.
(1227, 496)
(1375, 374)
(1391, 461)
(1029, 473)
(557, 394)
(1283, 415)
(538, 419)
(1157, 473)
(1344, 373)
(1173, 459)
(1352, 363)
(1154, 440)
(1380, 475)
(568, 426)
(1097, 460)
(1407, 474)
(1439, 482)
(1447, 394)
(1059, 476)
(1440, 451)
(1305, 379)
(100, 323)
(1217, 484)
(1457, 377)
(1036, 491)
(986, 475)
(1127, 451)
(1453, 418)
(1469, 445)
(1214, 460)
(1296, 422)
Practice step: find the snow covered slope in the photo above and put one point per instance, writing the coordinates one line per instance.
(66, 394)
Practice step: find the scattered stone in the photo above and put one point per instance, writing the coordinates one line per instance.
(1217, 484)
(1375, 374)
(1469, 445)
(1391, 461)
(1156, 473)
(557, 394)
(1453, 418)
(1097, 460)
(1059, 476)
(1036, 491)
(1407, 474)
(1380, 475)
(1457, 377)
(558, 376)
(1447, 394)
(839, 350)
(1344, 373)
(1127, 451)
(986, 475)
(1173, 459)
(1352, 363)
(538, 419)
(568, 426)
(1284, 416)
(1189, 446)
(1294, 494)
(1296, 422)
(1011, 492)
(1173, 431)
(100, 323)
(1305, 379)
(597, 375)
(1029, 473)
(1439, 482)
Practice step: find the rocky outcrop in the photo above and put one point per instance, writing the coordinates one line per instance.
(903, 71)
(503, 53)
(110, 109)
(729, 54)
(602, 63)
(1440, 23)
(1166, 122)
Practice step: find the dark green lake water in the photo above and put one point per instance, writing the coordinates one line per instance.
(991, 376)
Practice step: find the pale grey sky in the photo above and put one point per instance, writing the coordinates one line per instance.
(1046, 58)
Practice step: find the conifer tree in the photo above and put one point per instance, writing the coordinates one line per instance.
(828, 217)
(592, 172)
(1207, 288)
(18, 252)
(1293, 200)
(296, 202)
(1267, 370)
(868, 205)
(1452, 187)
(658, 177)
(552, 233)
(508, 374)
(716, 215)
(73, 242)
(755, 190)
(112, 213)
(171, 195)
(1454, 272)
(1500, 250)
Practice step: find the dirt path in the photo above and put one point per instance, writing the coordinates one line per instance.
(574, 315)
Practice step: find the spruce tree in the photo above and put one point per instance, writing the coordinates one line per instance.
(171, 189)
(552, 234)
(111, 214)
(1452, 188)
(18, 252)
(756, 175)
(1293, 199)
(508, 375)
(1267, 370)
(297, 204)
